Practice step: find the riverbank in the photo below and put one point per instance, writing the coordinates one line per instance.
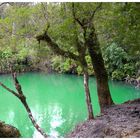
(128, 80)
(117, 121)
(20, 71)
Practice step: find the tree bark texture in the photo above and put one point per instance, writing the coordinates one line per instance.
(88, 97)
(99, 68)
(93, 46)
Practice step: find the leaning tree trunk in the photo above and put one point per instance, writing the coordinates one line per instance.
(22, 98)
(88, 97)
(39, 129)
(99, 68)
(87, 91)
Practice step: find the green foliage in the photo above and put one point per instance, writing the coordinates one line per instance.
(17, 43)
(118, 62)
(119, 22)
(115, 22)
(90, 67)
(62, 65)
(117, 75)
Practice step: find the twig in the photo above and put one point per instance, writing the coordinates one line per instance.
(5, 87)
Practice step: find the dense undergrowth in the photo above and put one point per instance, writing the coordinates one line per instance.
(118, 63)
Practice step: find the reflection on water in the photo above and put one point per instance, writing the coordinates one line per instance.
(56, 120)
(11, 117)
(36, 134)
(39, 119)
(56, 101)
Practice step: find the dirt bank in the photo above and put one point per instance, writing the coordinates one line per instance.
(117, 121)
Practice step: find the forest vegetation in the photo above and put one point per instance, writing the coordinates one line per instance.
(89, 39)
(116, 24)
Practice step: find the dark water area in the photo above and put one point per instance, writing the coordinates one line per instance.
(57, 102)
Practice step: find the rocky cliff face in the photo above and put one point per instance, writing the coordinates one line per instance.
(8, 131)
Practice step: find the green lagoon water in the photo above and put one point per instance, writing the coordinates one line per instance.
(57, 102)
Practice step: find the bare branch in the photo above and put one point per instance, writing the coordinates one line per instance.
(22, 98)
(8, 89)
(17, 85)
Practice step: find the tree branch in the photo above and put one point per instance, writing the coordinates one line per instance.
(22, 98)
(85, 21)
(8, 89)
(17, 85)
(55, 47)
(80, 46)
(96, 9)
(74, 16)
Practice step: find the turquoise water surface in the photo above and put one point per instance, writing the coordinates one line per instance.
(57, 102)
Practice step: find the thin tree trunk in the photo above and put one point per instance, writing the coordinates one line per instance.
(88, 97)
(22, 98)
(86, 87)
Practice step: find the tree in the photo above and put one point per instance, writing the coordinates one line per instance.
(57, 50)
(80, 58)
(93, 46)
(118, 63)
(90, 42)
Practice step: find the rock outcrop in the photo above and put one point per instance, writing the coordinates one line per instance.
(8, 131)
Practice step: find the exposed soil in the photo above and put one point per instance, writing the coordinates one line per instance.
(116, 121)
